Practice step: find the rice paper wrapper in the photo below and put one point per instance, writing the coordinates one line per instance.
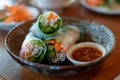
(36, 32)
(33, 49)
(67, 36)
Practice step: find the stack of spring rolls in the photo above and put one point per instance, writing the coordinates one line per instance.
(48, 38)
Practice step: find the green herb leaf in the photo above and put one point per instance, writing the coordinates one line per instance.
(32, 58)
(51, 54)
(117, 1)
(50, 48)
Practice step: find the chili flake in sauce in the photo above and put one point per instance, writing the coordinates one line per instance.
(86, 54)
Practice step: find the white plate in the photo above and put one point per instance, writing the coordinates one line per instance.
(103, 10)
(7, 26)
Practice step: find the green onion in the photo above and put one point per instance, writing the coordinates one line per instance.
(51, 54)
(32, 58)
(46, 42)
(107, 3)
(82, 33)
(50, 48)
(41, 57)
(36, 42)
(55, 27)
(47, 30)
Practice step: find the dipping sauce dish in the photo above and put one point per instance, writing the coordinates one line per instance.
(86, 53)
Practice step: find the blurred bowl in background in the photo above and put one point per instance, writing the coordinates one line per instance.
(52, 4)
(110, 9)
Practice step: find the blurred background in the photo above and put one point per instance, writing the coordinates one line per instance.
(104, 12)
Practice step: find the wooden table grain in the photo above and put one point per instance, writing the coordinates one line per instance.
(107, 70)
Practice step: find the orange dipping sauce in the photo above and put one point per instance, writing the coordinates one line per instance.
(86, 54)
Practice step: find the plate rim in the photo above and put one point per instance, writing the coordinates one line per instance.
(99, 9)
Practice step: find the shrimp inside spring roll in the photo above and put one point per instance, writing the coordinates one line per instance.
(47, 25)
(49, 22)
(59, 44)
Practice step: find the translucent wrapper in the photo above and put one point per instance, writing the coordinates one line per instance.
(33, 49)
(47, 25)
(59, 44)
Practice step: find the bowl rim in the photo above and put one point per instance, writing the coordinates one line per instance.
(53, 66)
(100, 9)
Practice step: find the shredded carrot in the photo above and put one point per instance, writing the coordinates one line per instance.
(23, 57)
(94, 2)
(51, 16)
(58, 47)
(28, 53)
(18, 13)
(52, 42)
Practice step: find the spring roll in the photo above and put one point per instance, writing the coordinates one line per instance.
(47, 25)
(59, 44)
(33, 49)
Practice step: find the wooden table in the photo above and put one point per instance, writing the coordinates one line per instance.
(106, 70)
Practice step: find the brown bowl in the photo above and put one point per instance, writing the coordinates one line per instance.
(95, 32)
